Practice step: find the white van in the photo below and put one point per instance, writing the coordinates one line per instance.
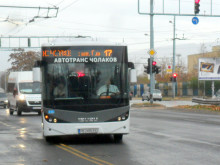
(24, 95)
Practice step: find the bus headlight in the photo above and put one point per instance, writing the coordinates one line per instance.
(21, 97)
(6, 101)
(50, 119)
(121, 117)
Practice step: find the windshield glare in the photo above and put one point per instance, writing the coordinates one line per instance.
(30, 88)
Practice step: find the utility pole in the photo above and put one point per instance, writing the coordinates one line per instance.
(5, 82)
(174, 53)
(151, 48)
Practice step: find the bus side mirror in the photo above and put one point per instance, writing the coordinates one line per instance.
(37, 63)
(133, 76)
(132, 72)
(36, 74)
(131, 65)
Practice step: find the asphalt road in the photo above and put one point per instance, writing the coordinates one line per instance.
(157, 137)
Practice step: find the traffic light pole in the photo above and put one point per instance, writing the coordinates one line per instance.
(174, 54)
(151, 47)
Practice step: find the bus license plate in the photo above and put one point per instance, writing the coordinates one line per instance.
(36, 107)
(88, 131)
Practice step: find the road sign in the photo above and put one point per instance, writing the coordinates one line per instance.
(169, 70)
(152, 52)
(195, 20)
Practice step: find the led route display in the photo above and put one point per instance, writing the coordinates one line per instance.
(68, 53)
(82, 54)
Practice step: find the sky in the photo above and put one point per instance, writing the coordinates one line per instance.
(115, 21)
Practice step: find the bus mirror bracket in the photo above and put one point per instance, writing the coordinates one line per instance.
(131, 65)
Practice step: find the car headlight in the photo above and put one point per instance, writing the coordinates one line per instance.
(21, 97)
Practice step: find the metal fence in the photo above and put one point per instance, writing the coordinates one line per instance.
(182, 89)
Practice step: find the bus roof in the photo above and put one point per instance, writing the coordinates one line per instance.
(81, 42)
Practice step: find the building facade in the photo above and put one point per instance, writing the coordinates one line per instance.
(193, 59)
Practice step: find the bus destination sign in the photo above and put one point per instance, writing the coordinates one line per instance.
(75, 56)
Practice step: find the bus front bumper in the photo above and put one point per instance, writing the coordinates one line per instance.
(59, 129)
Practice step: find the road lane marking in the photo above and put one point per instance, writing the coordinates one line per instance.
(78, 155)
(91, 157)
(83, 155)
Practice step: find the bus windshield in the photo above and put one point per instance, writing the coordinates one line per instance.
(30, 87)
(83, 82)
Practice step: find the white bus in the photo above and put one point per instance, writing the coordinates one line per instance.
(85, 89)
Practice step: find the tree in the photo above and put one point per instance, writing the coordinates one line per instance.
(142, 79)
(180, 69)
(23, 61)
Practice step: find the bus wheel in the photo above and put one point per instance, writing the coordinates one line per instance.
(118, 138)
(18, 111)
(48, 139)
(39, 113)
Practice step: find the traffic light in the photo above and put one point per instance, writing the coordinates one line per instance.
(154, 66)
(174, 77)
(147, 69)
(155, 69)
(196, 7)
(148, 62)
(158, 69)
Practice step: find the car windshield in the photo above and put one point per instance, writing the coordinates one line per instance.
(2, 95)
(30, 88)
(156, 91)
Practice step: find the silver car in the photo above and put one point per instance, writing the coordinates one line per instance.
(156, 95)
(3, 100)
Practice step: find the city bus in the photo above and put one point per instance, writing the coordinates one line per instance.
(85, 89)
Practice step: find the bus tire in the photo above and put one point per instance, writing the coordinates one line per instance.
(118, 138)
(39, 113)
(48, 139)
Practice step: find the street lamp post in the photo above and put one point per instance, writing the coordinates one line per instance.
(174, 53)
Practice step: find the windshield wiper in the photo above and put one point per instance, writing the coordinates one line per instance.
(70, 98)
(25, 92)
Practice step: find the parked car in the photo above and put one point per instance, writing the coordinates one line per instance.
(3, 100)
(156, 95)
